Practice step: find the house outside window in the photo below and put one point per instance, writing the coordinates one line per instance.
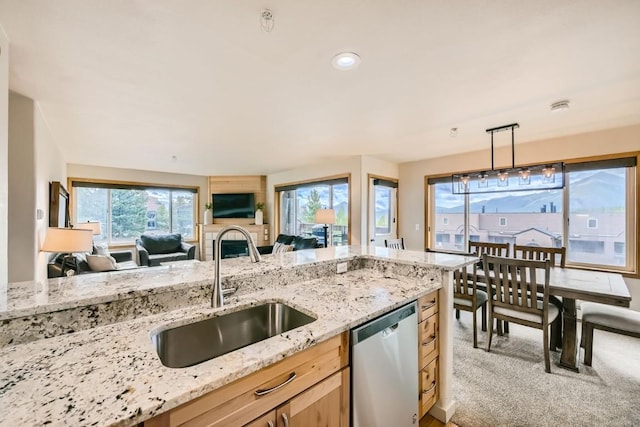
(598, 204)
(298, 204)
(127, 211)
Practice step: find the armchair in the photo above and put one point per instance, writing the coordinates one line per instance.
(155, 249)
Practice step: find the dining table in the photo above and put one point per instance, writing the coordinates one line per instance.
(573, 285)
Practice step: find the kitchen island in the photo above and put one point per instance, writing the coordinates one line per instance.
(110, 374)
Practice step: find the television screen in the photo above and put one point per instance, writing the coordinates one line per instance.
(238, 205)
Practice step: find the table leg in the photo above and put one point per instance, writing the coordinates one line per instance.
(569, 356)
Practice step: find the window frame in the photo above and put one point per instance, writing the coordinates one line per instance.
(632, 258)
(75, 182)
(278, 189)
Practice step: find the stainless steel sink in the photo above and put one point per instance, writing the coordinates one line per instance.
(196, 342)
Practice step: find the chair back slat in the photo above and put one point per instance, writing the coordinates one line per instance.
(464, 283)
(557, 256)
(514, 282)
(493, 249)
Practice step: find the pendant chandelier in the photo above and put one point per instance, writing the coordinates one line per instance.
(521, 178)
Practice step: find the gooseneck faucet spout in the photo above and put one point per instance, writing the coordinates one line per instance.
(217, 300)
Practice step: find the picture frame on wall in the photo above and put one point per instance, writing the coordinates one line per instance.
(58, 205)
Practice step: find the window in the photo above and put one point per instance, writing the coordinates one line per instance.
(298, 204)
(598, 204)
(445, 221)
(127, 211)
(383, 214)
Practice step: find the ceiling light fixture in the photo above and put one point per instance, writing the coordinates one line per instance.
(560, 106)
(453, 132)
(267, 21)
(534, 177)
(345, 61)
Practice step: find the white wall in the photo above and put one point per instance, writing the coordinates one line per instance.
(4, 165)
(50, 166)
(412, 174)
(34, 161)
(22, 201)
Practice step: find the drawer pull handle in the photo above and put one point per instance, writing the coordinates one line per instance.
(285, 420)
(427, 307)
(262, 392)
(433, 338)
(430, 388)
(270, 423)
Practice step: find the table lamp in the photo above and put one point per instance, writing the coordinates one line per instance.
(94, 226)
(326, 217)
(67, 241)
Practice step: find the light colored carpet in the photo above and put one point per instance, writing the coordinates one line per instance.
(509, 387)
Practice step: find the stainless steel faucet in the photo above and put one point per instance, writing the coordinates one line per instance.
(217, 300)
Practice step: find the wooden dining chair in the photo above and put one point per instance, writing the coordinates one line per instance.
(514, 289)
(557, 257)
(493, 249)
(394, 243)
(467, 297)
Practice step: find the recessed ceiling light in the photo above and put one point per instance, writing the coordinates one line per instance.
(560, 105)
(345, 61)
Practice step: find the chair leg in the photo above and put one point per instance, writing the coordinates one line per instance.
(506, 327)
(587, 339)
(498, 327)
(556, 334)
(484, 317)
(545, 339)
(490, 331)
(458, 314)
(475, 328)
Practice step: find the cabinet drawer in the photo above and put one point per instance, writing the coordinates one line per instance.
(428, 339)
(427, 305)
(428, 387)
(237, 403)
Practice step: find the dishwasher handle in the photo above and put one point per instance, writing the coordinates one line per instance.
(387, 323)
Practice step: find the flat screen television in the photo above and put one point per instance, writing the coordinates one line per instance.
(233, 205)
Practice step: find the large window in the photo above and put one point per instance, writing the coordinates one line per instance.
(593, 216)
(127, 211)
(298, 204)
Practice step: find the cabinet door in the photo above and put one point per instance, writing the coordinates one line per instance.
(267, 420)
(326, 404)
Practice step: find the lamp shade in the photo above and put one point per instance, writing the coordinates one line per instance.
(325, 216)
(67, 240)
(94, 226)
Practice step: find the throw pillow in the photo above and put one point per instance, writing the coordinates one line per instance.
(102, 262)
(101, 249)
(279, 248)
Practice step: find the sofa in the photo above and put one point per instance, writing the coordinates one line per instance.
(287, 243)
(154, 249)
(82, 263)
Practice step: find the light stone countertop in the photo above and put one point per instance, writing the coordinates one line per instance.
(111, 375)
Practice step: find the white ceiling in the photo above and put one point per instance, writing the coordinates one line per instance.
(130, 84)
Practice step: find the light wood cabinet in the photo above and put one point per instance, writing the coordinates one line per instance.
(428, 349)
(325, 404)
(309, 385)
(208, 234)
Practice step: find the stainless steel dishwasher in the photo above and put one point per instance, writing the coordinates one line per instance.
(384, 370)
